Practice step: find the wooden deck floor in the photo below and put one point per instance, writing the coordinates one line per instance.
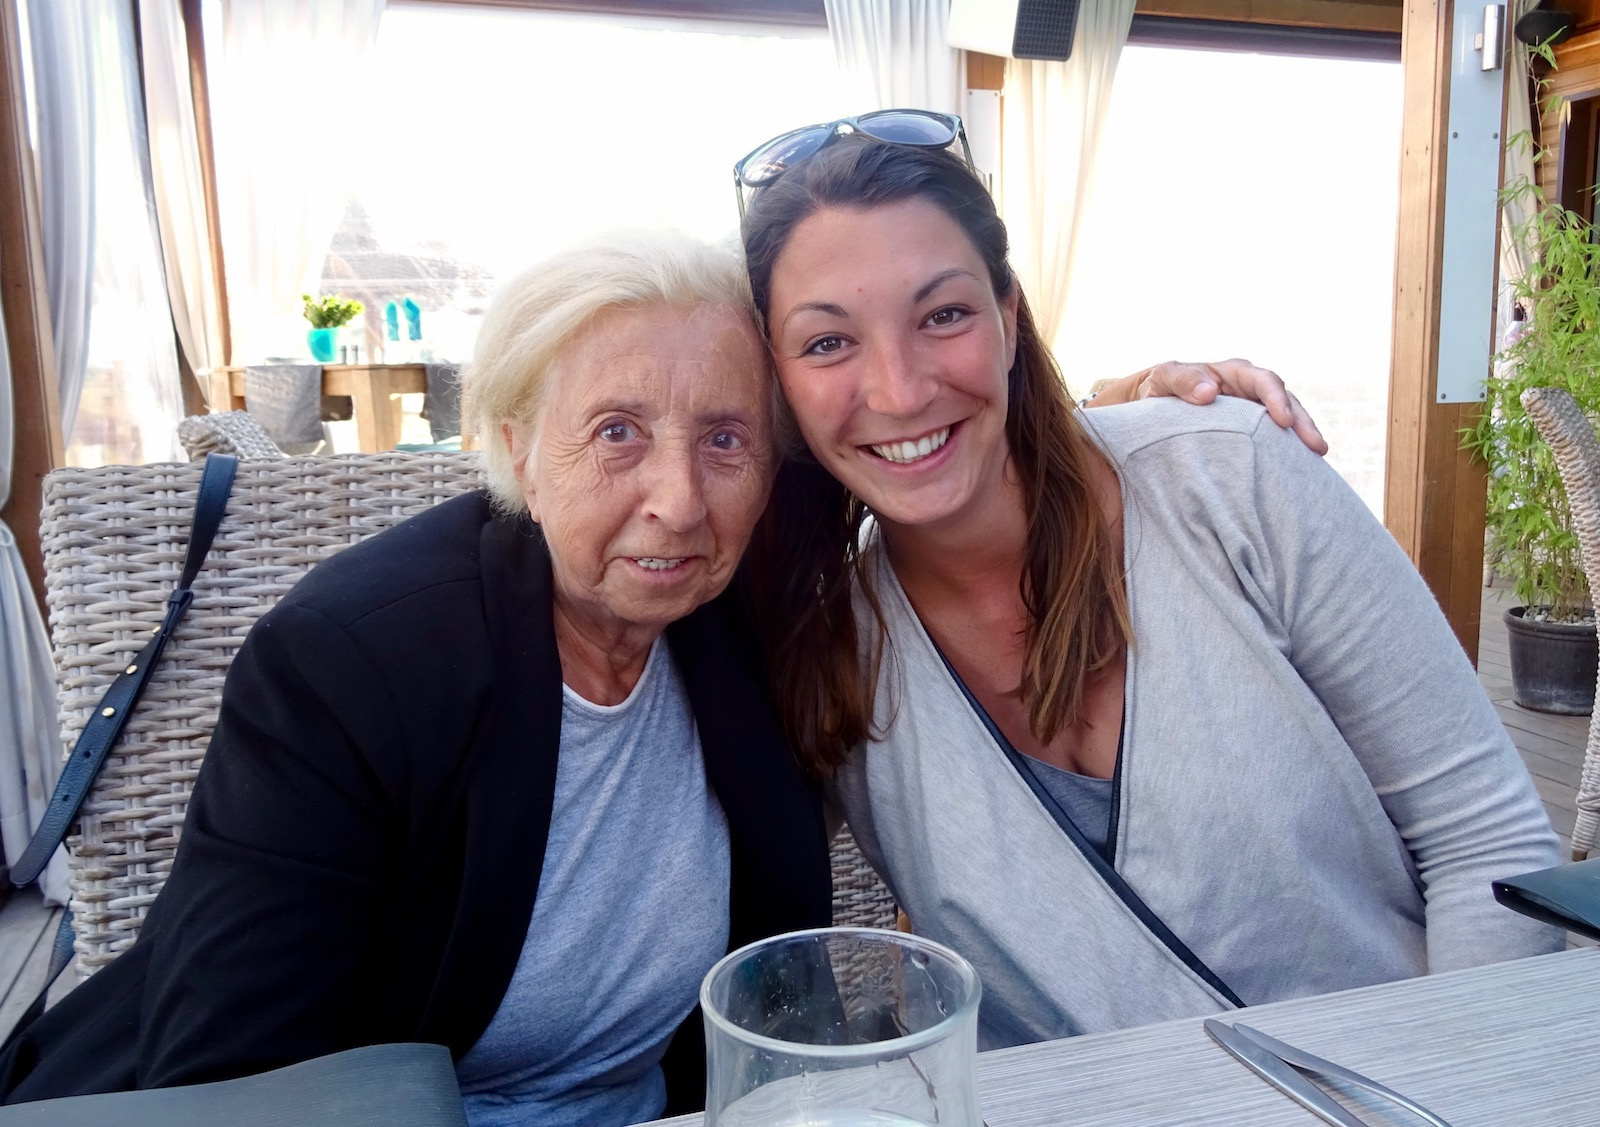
(1551, 746)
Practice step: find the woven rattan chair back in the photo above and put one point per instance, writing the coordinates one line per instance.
(226, 432)
(114, 542)
(1571, 438)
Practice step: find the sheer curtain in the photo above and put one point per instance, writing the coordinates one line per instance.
(1518, 166)
(30, 737)
(61, 46)
(896, 53)
(284, 91)
(1053, 114)
(179, 193)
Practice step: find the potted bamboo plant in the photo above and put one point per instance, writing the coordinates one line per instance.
(1531, 538)
(327, 314)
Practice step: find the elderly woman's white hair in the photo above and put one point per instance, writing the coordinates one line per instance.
(536, 315)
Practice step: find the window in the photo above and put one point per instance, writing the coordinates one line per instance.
(1245, 205)
(491, 138)
(1579, 166)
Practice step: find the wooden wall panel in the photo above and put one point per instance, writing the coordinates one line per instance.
(985, 72)
(1342, 15)
(1577, 75)
(1433, 493)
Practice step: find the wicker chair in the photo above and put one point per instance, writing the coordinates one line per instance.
(114, 542)
(226, 432)
(1572, 440)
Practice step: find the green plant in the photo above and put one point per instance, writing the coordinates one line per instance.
(1531, 537)
(330, 310)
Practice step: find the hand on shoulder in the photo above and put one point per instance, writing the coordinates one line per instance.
(1201, 383)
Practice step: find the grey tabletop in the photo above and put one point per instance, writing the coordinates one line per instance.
(1509, 1045)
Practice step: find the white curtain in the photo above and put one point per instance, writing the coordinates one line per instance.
(30, 736)
(179, 191)
(1051, 121)
(59, 33)
(1519, 168)
(896, 53)
(284, 77)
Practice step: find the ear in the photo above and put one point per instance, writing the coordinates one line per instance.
(519, 452)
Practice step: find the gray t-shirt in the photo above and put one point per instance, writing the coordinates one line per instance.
(632, 911)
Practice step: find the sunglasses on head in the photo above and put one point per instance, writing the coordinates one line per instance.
(923, 129)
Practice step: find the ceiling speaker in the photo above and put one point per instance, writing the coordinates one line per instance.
(1014, 29)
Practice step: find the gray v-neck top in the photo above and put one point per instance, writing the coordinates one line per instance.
(1084, 799)
(1313, 793)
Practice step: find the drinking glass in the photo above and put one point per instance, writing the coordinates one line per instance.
(841, 1027)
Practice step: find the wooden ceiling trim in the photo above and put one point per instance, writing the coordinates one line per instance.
(1336, 15)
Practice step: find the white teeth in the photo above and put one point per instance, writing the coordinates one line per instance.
(651, 563)
(906, 452)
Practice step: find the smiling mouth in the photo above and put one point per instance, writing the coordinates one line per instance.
(656, 563)
(912, 450)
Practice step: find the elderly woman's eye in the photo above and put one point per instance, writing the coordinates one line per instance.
(617, 432)
(727, 440)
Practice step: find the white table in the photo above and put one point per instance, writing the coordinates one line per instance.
(1510, 1045)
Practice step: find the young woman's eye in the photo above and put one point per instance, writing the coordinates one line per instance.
(727, 440)
(824, 346)
(617, 431)
(946, 316)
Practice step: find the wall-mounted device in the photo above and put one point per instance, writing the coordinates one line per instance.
(1014, 29)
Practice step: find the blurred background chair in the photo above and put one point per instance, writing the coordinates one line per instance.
(1571, 438)
(226, 432)
(114, 541)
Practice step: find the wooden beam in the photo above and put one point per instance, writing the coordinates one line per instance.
(985, 72)
(37, 442)
(1433, 492)
(200, 90)
(1339, 15)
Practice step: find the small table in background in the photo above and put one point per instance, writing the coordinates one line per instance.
(372, 388)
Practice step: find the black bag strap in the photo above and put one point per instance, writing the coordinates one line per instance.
(111, 714)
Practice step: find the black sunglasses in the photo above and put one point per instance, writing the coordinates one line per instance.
(919, 128)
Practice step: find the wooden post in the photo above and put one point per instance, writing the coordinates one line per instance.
(38, 445)
(200, 90)
(985, 72)
(1433, 492)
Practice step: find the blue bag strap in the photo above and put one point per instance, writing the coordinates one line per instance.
(110, 716)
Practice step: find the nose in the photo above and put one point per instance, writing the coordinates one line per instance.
(898, 384)
(674, 492)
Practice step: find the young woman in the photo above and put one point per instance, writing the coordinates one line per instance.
(1140, 710)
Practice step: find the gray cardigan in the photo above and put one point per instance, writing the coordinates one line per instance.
(1313, 793)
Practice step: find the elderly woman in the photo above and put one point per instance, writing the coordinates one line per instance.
(504, 777)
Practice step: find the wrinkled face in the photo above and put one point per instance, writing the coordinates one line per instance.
(651, 461)
(893, 351)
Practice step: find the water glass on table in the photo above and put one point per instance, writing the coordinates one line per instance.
(841, 1027)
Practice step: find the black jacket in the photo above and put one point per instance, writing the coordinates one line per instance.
(363, 847)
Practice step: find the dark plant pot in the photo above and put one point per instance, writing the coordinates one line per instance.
(1553, 664)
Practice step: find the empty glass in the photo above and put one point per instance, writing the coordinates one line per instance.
(841, 1027)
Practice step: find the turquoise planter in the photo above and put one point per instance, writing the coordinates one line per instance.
(324, 344)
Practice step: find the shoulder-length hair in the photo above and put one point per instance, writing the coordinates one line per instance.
(537, 314)
(806, 555)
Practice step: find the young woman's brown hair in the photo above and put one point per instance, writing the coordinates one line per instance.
(803, 563)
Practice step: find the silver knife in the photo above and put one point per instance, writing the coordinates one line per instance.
(1312, 1063)
(1281, 1075)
